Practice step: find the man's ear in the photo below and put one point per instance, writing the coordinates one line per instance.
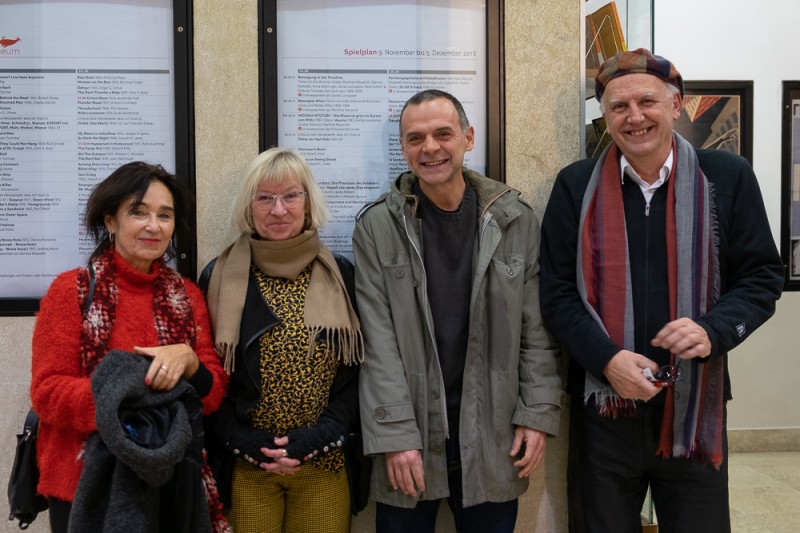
(677, 103)
(470, 138)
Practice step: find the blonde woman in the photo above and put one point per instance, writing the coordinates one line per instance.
(283, 446)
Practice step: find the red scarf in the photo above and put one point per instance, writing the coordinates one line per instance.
(172, 310)
(692, 422)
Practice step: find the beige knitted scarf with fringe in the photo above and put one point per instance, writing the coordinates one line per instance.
(328, 309)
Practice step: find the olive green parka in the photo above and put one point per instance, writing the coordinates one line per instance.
(511, 373)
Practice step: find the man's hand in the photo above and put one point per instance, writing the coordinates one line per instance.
(624, 372)
(533, 444)
(685, 338)
(405, 471)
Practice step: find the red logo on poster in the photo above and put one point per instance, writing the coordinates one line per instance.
(5, 43)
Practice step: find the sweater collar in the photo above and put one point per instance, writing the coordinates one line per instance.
(493, 196)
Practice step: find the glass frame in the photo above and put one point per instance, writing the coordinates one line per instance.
(635, 18)
(790, 186)
(340, 106)
(739, 118)
(495, 82)
(183, 87)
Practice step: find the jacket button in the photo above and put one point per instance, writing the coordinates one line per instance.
(435, 395)
(399, 273)
(380, 414)
(437, 447)
(510, 271)
(415, 283)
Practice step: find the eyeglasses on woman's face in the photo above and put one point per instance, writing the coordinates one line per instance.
(279, 209)
(291, 199)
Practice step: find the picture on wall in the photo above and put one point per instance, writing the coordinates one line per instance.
(604, 39)
(597, 137)
(790, 170)
(340, 105)
(610, 27)
(718, 115)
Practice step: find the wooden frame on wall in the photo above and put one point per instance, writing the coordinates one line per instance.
(790, 186)
(185, 167)
(718, 115)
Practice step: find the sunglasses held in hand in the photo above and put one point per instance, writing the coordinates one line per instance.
(666, 375)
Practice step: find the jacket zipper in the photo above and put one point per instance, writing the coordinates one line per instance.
(646, 275)
(426, 311)
(486, 219)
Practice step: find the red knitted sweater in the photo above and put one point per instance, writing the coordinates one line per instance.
(62, 396)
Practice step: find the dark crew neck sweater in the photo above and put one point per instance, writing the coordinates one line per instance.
(448, 240)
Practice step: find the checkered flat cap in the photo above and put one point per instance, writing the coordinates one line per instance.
(639, 61)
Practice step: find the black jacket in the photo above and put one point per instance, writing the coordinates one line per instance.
(751, 270)
(244, 391)
(142, 469)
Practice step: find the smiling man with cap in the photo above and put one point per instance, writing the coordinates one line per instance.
(657, 260)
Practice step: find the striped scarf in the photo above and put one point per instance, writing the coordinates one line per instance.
(172, 311)
(693, 411)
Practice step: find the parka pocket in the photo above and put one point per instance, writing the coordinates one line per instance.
(508, 271)
(398, 275)
(504, 389)
(401, 287)
(503, 306)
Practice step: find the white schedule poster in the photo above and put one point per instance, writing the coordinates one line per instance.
(345, 69)
(84, 88)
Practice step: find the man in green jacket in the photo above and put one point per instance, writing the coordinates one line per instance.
(459, 388)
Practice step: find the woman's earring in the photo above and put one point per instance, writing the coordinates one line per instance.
(111, 239)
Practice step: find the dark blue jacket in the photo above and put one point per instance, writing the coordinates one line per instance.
(751, 270)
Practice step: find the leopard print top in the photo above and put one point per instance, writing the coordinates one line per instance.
(294, 386)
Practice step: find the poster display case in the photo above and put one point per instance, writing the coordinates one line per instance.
(85, 87)
(790, 170)
(336, 73)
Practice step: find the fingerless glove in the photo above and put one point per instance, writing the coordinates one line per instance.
(247, 442)
(306, 444)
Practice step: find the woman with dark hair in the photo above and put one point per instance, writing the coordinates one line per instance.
(125, 299)
(282, 307)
